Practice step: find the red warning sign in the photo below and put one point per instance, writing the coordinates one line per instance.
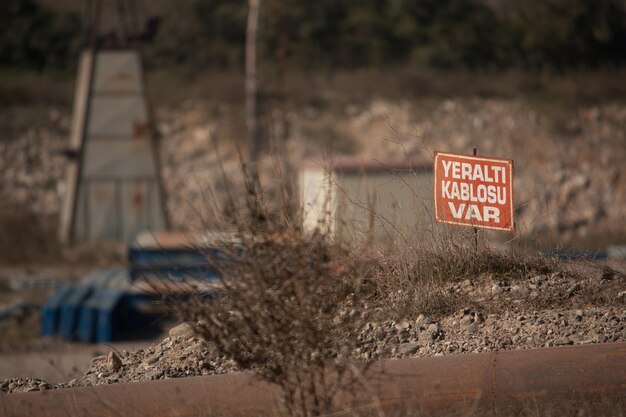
(474, 191)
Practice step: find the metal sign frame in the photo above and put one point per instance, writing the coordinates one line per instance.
(484, 201)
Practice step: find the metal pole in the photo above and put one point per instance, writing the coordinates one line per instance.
(251, 79)
(475, 228)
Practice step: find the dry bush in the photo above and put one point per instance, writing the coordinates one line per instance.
(282, 306)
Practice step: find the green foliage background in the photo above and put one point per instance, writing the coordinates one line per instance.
(443, 34)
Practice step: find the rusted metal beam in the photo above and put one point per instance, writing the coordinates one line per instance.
(524, 382)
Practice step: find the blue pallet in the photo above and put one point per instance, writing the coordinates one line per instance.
(86, 331)
(171, 263)
(70, 309)
(114, 313)
(50, 311)
(108, 321)
(105, 306)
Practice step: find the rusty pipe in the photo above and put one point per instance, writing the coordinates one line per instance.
(497, 384)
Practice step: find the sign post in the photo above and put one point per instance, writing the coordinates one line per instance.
(474, 152)
(474, 191)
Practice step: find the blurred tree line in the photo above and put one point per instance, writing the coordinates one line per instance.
(36, 37)
(443, 34)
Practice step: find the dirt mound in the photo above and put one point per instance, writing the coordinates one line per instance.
(499, 314)
(24, 385)
(174, 357)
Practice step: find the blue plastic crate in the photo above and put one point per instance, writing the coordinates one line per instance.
(70, 309)
(109, 322)
(170, 263)
(50, 311)
(86, 331)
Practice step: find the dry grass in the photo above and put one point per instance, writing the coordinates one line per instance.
(416, 278)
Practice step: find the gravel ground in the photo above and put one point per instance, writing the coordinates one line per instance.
(541, 311)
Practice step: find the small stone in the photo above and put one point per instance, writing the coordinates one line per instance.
(402, 325)
(425, 336)
(538, 279)
(472, 328)
(519, 290)
(573, 289)
(113, 362)
(562, 341)
(478, 318)
(600, 337)
(506, 342)
(380, 334)
(408, 348)
(433, 329)
(183, 330)
(575, 338)
(154, 358)
(579, 315)
(496, 289)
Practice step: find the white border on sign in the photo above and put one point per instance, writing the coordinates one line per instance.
(509, 164)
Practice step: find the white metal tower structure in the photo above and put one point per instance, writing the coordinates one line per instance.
(113, 185)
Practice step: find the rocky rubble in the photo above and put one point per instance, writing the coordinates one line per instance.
(469, 331)
(24, 385)
(466, 331)
(179, 355)
(540, 311)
